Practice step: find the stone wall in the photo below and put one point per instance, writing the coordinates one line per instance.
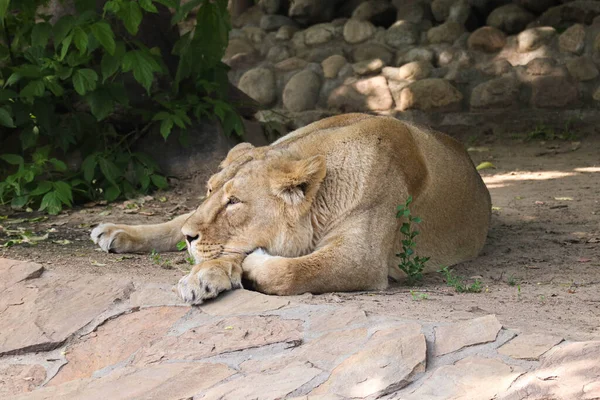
(418, 58)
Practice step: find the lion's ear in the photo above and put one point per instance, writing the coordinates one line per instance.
(236, 152)
(299, 180)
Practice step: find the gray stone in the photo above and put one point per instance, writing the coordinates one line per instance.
(582, 68)
(566, 372)
(357, 31)
(286, 32)
(415, 54)
(450, 338)
(487, 39)
(371, 94)
(541, 66)
(553, 92)
(319, 34)
(269, 6)
(396, 88)
(259, 83)
(414, 71)
(573, 39)
(529, 347)
(447, 32)
(42, 313)
(534, 38)
(430, 94)
(368, 67)
(332, 65)
(383, 366)
(291, 64)
(536, 6)
(379, 12)
(578, 11)
(415, 12)
(496, 67)
(510, 18)
(278, 53)
(471, 378)
(301, 93)
(501, 92)
(274, 22)
(402, 33)
(369, 51)
(451, 10)
(255, 34)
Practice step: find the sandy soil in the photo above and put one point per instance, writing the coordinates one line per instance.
(539, 272)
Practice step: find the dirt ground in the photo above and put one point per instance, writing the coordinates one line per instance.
(539, 272)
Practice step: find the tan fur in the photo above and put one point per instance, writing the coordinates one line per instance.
(315, 211)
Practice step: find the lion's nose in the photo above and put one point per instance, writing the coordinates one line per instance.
(190, 239)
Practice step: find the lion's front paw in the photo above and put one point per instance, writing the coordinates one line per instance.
(113, 238)
(205, 282)
(268, 273)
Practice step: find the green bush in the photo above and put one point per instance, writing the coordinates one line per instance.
(88, 83)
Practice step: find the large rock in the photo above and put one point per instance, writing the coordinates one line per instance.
(412, 71)
(278, 53)
(553, 92)
(541, 66)
(370, 94)
(385, 364)
(238, 302)
(529, 347)
(415, 54)
(568, 372)
(487, 39)
(578, 11)
(430, 94)
(369, 67)
(274, 22)
(116, 341)
(453, 337)
(469, 378)
(357, 31)
(401, 34)
(510, 18)
(447, 32)
(496, 67)
(378, 12)
(582, 68)
(238, 47)
(496, 93)
(259, 83)
(13, 271)
(301, 93)
(451, 10)
(370, 51)
(42, 313)
(332, 65)
(533, 38)
(573, 39)
(413, 11)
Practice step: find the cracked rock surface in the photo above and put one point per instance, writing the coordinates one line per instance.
(84, 337)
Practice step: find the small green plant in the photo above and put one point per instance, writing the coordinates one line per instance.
(410, 264)
(458, 282)
(416, 296)
(512, 280)
(181, 245)
(544, 132)
(190, 260)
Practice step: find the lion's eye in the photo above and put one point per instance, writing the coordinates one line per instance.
(233, 200)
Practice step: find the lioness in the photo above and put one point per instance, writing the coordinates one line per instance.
(315, 210)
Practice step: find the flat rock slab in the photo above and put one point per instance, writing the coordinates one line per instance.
(40, 314)
(450, 338)
(242, 301)
(472, 378)
(529, 347)
(20, 378)
(12, 272)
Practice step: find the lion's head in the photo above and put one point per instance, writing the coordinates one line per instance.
(260, 198)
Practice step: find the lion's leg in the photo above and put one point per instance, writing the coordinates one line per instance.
(139, 238)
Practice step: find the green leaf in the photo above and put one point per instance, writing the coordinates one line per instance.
(12, 159)
(3, 9)
(112, 193)
(33, 89)
(105, 36)
(101, 103)
(84, 80)
(131, 15)
(165, 127)
(181, 245)
(19, 201)
(89, 167)
(161, 116)
(65, 46)
(58, 165)
(416, 220)
(51, 203)
(143, 65)
(42, 188)
(6, 119)
(52, 84)
(80, 38)
(62, 28)
(405, 229)
(148, 6)
(13, 78)
(64, 193)
(28, 138)
(159, 181)
(40, 34)
(110, 171)
(110, 63)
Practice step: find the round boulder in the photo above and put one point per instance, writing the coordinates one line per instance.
(402, 33)
(553, 92)
(332, 65)
(369, 51)
(487, 39)
(301, 93)
(414, 71)
(357, 31)
(319, 34)
(430, 94)
(582, 68)
(510, 18)
(447, 32)
(534, 38)
(572, 40)
(369, 67)
(501, 92)
(371, 94)
(259, 84)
